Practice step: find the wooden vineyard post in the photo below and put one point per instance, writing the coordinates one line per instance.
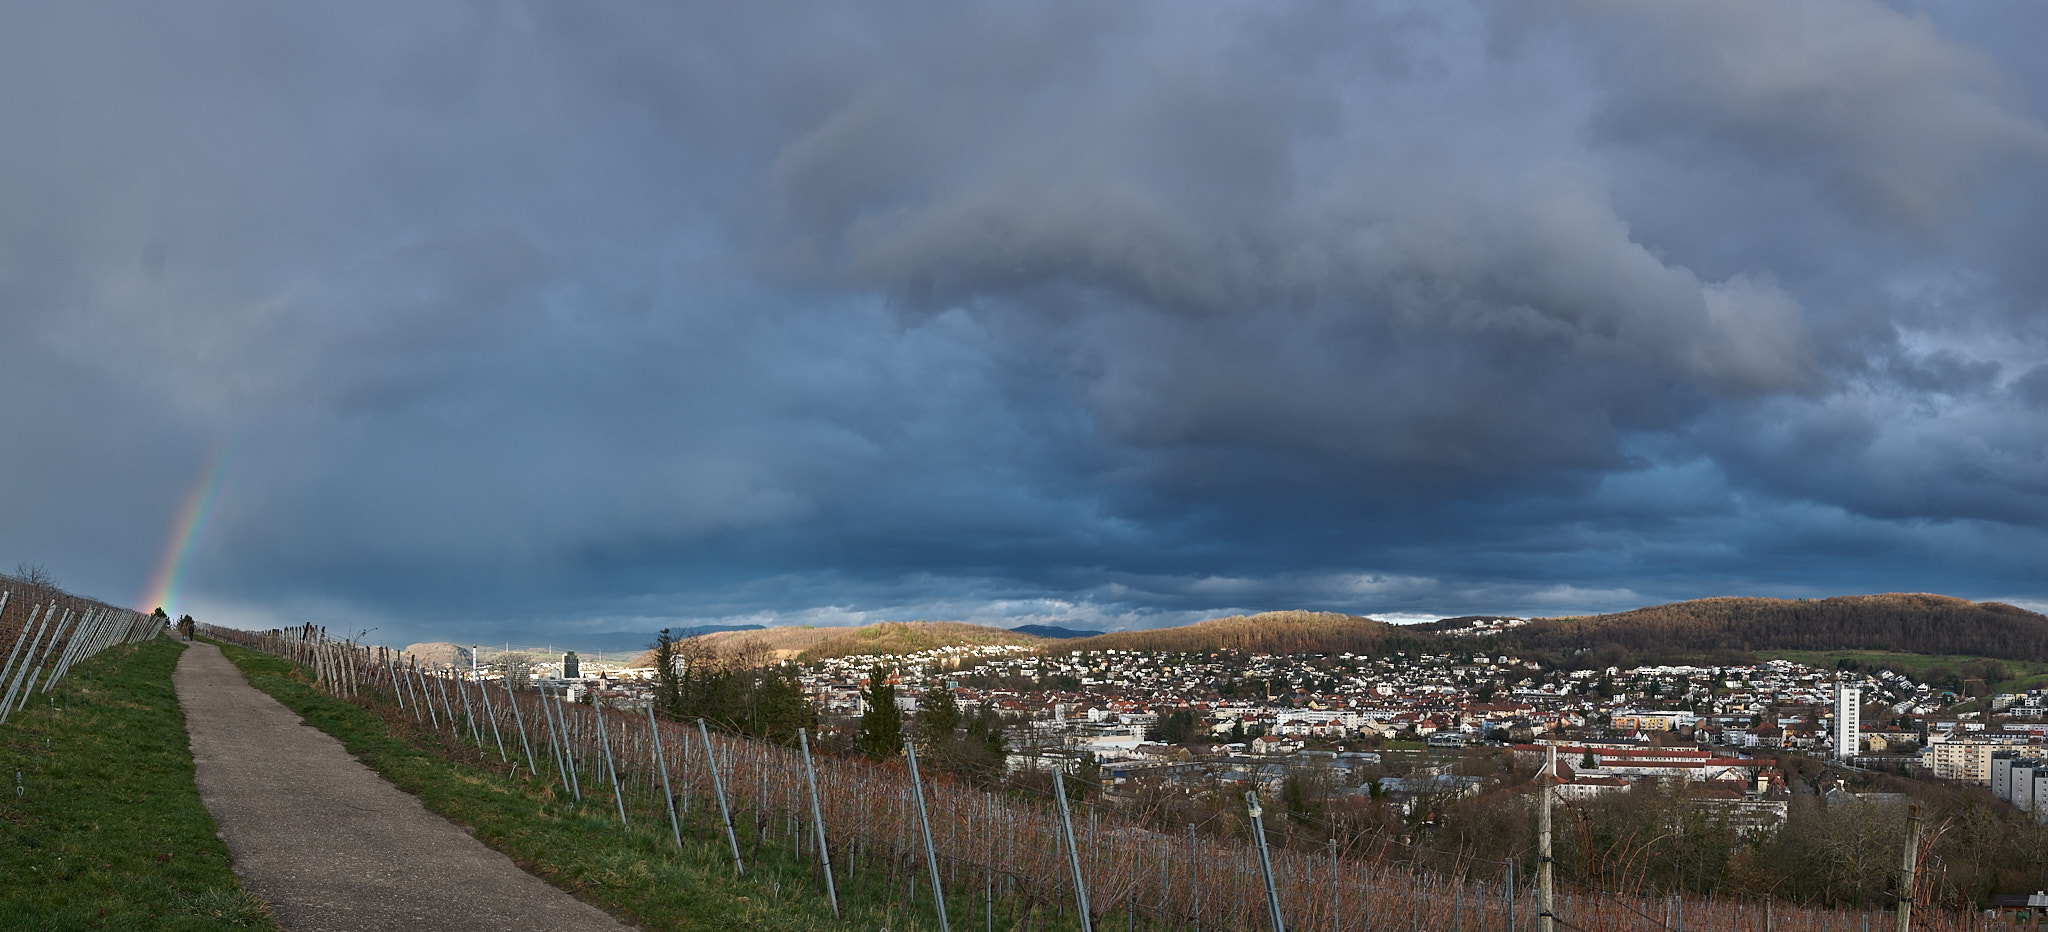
(19, 638)
(668, 795)
(618, 795)
(1511, 894)
(924, 824)
(519, 722)
(7, 701)
(569, 746)
(558, 734)
(1906, 869)
(441, 685)
(469, 711)
(433, 717)
(483, 693)
(1336, 922)
(818, 826)
(1546, 917)
(1059, 783)
(1251, 803)
(390, 671)
(718, 789)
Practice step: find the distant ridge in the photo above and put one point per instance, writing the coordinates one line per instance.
(1055, 632)
(906, 637)
(773, 645)
(1263, 633)
(1915, 623)
(701, 630)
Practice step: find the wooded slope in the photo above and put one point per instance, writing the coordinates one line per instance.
(1917, 623)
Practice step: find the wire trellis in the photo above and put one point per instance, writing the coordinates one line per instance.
(1000, 851)
(47, 632)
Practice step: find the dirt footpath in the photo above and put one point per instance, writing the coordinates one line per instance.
(332, 845)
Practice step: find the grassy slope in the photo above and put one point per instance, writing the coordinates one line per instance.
(887, 637)
(636, 874)
(909, 637)
(108, 831)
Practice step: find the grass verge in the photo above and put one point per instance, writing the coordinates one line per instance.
(102, 821)
(637, 874)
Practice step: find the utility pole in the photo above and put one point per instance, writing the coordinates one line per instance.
(1546, 918)
(1906, 868)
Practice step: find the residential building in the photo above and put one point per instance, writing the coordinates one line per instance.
(1848, 721)
(1969, 757)
(2018, 780)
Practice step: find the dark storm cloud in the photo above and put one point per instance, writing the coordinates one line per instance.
(1878, 112)
(511, 314)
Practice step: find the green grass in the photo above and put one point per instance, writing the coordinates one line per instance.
(636, 874)
(107, 830)
(2021, 675)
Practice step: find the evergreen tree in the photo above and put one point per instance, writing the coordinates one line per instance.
(716, 694)
(668, 674)
(1083, 776)
(1304, 795)
(984, 751)
(780, 707)
(1176, 727)
(938, 724)
(881, 723)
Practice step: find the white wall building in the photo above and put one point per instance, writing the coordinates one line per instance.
(1848, 721)
(2019, 780)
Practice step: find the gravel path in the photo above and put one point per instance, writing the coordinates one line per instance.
(332, 845)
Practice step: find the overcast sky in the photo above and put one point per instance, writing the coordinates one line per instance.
(513, 318)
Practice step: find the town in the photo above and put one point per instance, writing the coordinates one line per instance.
(1423, 727)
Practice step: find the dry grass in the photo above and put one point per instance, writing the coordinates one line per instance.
(1266, 633)
(774, 645)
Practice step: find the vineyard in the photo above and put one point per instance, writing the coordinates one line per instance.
(50, 631)
(1012, 859)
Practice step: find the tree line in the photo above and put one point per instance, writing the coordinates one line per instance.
(971, 746)
(736, 692)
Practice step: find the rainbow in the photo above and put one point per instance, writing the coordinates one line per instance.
(170, 572)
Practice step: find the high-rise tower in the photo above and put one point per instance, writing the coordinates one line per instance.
(1848, 720)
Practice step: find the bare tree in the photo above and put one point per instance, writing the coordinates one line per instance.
(35, 575)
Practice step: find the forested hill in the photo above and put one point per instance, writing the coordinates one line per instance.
(1909, 622)
(1264, 633)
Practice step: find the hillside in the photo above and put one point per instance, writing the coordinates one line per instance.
(906, 637)
(1055, 632)
(1916, 623)
(888, 637)
(435, 653)
(1263, 633)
